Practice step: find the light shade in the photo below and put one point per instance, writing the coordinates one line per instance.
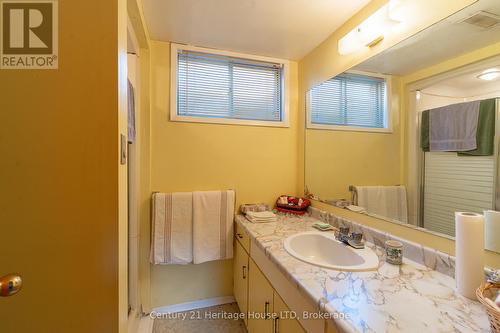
(370, 32)
(489, 74)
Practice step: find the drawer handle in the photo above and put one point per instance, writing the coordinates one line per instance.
(240, 236)
(244, 272)
(266, 310)
(277, 325)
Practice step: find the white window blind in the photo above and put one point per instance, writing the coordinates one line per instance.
(217, 86)
(456, 183)
(350, 100)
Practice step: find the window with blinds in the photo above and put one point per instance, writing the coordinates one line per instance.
(213, 86)
(350, 100)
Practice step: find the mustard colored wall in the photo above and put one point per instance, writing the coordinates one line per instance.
(62, 223)
(363, 154)
(336, 159)
(260, 163)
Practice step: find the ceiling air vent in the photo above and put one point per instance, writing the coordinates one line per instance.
(483, 20)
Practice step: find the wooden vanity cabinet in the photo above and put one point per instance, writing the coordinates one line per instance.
(242, 237)
(330, 327)
(284, 321)
(264, 309)
(260, 302)
(240, 266)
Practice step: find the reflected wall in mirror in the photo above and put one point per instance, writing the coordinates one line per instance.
(411, 135)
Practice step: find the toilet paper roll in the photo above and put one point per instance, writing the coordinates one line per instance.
(492, 230)
(469, 252)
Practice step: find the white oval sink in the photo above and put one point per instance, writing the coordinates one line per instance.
(322, 249)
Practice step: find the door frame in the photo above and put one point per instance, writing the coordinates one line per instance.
(134, 184)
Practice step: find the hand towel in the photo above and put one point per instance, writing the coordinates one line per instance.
(386, 201)
(261, 217)
(213, 214)
(454, 127)
(485, 136)
(485, 132)
(172, 232)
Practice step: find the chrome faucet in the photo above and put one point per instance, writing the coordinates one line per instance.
(354, 239)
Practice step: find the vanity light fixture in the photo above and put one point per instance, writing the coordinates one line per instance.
(418, 95)
(371, 32)
(489, 74)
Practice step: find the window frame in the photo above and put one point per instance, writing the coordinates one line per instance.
(388, 116)
(285, 91)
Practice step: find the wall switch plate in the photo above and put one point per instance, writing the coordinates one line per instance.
(123, 149)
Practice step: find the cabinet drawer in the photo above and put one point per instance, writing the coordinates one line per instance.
(242, 237)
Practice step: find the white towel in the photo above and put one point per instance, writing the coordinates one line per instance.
(454, 127)
(385, 201)
(261, 217)
(213, 225)
(172, 233)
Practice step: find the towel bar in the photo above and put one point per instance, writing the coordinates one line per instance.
(354, 194)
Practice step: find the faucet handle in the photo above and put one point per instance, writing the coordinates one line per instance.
(344, 230)
(357, 237)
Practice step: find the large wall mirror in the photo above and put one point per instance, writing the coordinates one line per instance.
(411, 135)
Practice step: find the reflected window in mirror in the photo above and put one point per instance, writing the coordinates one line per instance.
(350, 101)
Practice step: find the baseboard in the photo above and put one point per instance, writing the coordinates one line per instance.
(204, 303)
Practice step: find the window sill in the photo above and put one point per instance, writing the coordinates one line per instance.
(349, 128)
(225, 121)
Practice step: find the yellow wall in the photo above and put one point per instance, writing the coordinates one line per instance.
(260, 163)
(62, 223)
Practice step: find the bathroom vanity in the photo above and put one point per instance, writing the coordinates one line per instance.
(417, 296)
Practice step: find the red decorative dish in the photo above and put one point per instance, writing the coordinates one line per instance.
(292, 205)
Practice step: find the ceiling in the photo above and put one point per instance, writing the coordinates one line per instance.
(466, 85)
(287, 29)
(444, 40)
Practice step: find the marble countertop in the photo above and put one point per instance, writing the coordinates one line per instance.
(406, 298)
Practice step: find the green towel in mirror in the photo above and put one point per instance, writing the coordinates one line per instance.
(424, 131)
(485, 130)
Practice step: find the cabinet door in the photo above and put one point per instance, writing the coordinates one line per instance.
(241, 278)
(284, 321)
(260, 302)
(330, 327)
